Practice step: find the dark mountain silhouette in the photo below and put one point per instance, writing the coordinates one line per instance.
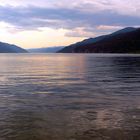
(9, 48)
(71, 48)
(45, 50)
(126, 40)
(125, 30)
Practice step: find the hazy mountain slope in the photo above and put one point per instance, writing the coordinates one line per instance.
(45, 50)
(9, 48)
(91, 41)
(120, 43)
(71, 48)
(125, 30)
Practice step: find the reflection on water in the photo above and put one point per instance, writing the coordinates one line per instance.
(69, 97)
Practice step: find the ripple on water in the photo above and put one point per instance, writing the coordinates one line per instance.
(69, 97)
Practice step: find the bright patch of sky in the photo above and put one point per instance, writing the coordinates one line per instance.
(44, 23)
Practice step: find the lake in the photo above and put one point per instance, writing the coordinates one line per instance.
(69, 97)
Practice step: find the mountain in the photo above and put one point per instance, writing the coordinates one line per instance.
(9, 48)
(125, 30)
(122, 41)
(71, 48)
(45, 50)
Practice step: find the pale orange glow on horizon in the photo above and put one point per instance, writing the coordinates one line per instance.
(51, 23)
(43, 37)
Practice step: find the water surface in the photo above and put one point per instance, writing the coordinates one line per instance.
(69, 97)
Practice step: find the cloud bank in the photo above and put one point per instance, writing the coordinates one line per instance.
(83, 17)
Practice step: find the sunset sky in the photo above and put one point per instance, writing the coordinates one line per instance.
(45, 23)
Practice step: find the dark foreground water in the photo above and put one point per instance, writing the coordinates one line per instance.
(69, 97)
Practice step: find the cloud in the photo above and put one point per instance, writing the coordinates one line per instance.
(84, 17)
(80, 32)
(123, 7)
(106, 27)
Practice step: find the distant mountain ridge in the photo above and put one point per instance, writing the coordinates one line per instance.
(107, 43)
(10, 48)
(45, 50)
(125, 30)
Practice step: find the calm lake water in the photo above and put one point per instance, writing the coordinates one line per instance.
(69, 97)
